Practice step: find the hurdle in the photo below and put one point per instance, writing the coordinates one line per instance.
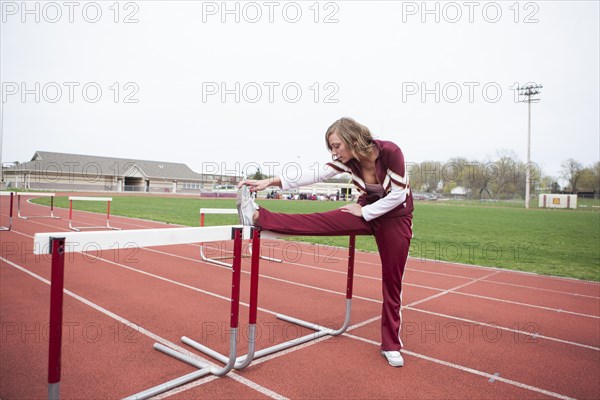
(10, 212)
(36, 194)
(81, 198)
(59, 243)
(216, 260)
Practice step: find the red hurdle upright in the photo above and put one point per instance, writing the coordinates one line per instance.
(10, 211)
(56, 316)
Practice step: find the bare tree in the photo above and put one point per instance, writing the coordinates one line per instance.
(481, 178)
(571, 172)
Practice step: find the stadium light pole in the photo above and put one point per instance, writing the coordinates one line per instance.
(528, 91)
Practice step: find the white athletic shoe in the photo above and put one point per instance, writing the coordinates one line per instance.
(246, 206)
(394, 358)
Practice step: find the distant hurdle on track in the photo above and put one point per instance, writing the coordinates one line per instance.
(10, 211)
(82, 198)
(36, 194)
(59, 243)
(217, 260)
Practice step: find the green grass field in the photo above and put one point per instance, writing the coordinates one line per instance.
(552, 242)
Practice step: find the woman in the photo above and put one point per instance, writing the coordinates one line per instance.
(384, 209)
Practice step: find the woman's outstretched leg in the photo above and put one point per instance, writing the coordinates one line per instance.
(329, 223)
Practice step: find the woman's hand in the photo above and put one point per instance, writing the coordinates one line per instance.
(256, 185)
(354, 209)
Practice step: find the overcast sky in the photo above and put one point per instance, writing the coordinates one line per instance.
(225, 87)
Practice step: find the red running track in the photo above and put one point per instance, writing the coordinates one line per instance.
(469, 332)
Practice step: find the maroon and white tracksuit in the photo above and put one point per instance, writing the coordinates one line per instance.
(387, 214)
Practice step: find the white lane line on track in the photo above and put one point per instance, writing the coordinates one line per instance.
(450, 290)
(514, 272)
(186, 387)
(148, 333)
(471, 371)
(200, 382)
(516, 331)
(545, 290)
(295, 284)
(526, 305)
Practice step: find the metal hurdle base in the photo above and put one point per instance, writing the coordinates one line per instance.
(202, 371)
(80, 228)
(51, 216)
(243, 361)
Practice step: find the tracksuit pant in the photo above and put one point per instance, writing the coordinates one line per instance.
(392, 234)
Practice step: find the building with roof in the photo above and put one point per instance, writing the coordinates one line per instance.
(76, 172)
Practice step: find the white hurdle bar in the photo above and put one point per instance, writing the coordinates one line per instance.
(75, 242)
(59, 243)
(216, 260)
(36, 194)
(10, 212)
(82, 198)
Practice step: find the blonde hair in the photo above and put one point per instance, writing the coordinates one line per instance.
(355, 136)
